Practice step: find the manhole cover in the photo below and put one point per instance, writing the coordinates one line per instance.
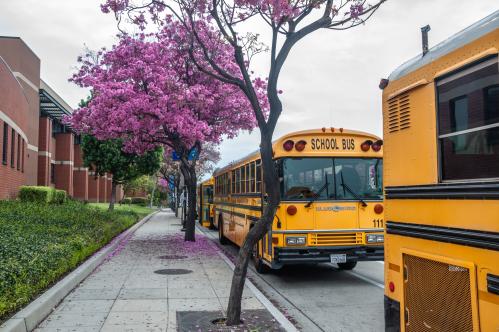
(173, 271)
(176, 224)
(172, 257)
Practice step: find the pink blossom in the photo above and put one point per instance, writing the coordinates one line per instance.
(148, 91)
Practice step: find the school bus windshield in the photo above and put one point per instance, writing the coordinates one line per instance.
(353, 179)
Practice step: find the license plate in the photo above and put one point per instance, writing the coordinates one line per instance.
(341, 258)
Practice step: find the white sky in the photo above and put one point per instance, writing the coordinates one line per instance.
(330, 78)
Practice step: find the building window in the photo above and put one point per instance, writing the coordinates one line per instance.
(77, 140)
(22, 162)
(468, 122)
(18, 152)
(5, 143)
(57, 128)
(13, 148)
(52, 173)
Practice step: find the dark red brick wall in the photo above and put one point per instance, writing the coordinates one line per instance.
(93, 188)
(23, 107)
(109, 187)
(44, 153)
(103, 189)
(14, 110)
(80, 182)
(64, 160)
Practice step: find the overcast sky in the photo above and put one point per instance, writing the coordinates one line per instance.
(330, 78)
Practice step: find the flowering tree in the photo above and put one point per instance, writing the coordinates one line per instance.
(148, 91)
(289, 21)
(169, 172)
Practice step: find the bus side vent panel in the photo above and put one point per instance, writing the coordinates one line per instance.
(399, 116)
(437, 296)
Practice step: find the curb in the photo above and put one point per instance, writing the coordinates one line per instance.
(28, 318)
(278, 315)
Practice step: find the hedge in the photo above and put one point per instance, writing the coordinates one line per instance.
(39, 243)
(38, 194)
(60, 197)
(139, 200)
(126, 200)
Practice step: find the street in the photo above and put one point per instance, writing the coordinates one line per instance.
(321, 297)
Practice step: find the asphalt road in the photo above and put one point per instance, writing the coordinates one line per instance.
(323, 298)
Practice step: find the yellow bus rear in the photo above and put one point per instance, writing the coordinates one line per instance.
(205, 201)
(441, 133)
(331, 200)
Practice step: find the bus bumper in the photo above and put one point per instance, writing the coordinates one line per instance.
(292, 255)
(392, 315)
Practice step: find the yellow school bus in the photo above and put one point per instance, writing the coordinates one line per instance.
(205, 201)
(441, 133)
(331, 200)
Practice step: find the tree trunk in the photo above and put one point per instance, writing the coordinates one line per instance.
(152, 196)
(113, 196)
(257, 232)
(177, 200)
(190, 223)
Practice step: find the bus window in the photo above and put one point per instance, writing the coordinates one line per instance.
(258, 176)
(252, 177)
(233, 179)
(316, 182)
(468, 121)
(358, 177)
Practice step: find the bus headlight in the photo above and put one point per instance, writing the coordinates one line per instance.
(375, 238)
(296, 240)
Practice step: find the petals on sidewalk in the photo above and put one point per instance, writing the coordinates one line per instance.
(131, 292)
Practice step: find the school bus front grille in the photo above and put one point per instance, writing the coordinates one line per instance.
(332, 239)
(437, 296)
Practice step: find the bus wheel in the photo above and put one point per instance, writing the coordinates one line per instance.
(347, 265)
(221, 238)
(260, 266)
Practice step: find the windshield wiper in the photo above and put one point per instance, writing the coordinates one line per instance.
(354, 194)
(317, 195)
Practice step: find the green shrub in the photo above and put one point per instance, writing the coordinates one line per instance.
(36, 194)
(126, 200)
(139, 200)
(60, 197)
(40, 243)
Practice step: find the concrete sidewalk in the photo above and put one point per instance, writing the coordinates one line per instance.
(151, 279)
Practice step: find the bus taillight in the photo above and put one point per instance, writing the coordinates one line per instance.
(300, 145)
(288, 145)
(378, 209)
(377, 145)
(391, 285)
(366, 145)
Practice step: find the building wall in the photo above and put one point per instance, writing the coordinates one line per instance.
(80, 175)
(64, 161)
(14, 112)
(93, 187)
(24, 65)
(39, 156)
(103, 189)
(44, 153)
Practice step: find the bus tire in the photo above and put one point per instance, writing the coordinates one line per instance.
(260, 266)
(347, 265)
(221, 238)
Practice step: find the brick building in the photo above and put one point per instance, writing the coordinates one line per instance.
(36, 148)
